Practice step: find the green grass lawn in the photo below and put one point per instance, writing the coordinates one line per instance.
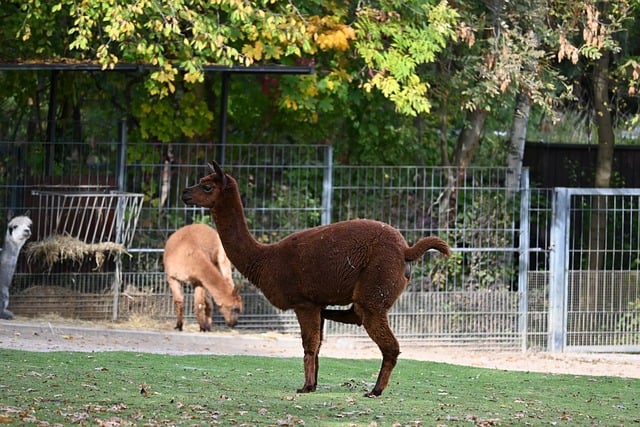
(120, 388)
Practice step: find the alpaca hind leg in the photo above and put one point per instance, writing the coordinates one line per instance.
(178, 300)
(377, 326)
(348, 316)
(310, 322)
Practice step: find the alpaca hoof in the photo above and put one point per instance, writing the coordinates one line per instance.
(179, 327)
(6, 314)
(373, 394)
(306, 389)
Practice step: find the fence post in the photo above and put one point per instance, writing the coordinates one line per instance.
(122, 154)
(558, 270)
(523, 259)
(121, 167)
(327, 185)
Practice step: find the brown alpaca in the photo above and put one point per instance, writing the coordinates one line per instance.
(194, 254)
(359, 262)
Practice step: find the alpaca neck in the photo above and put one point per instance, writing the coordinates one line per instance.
(10, 250)
(242, 249)
(9, 258)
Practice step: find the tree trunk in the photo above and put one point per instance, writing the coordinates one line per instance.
(590, 298)
(517, 141)
(606, 138)
(51, 123)
(469, 138)
(467, 142)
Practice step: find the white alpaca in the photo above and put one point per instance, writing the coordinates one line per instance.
(18, 232)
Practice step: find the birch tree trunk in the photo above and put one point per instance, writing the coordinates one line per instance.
(517, 141)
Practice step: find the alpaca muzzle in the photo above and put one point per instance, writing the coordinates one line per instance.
(186, 197)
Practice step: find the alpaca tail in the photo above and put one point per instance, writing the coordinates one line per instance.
(423, 245)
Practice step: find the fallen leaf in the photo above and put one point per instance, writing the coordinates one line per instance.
(144, 390)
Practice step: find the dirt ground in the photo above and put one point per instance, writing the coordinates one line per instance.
(64, 335)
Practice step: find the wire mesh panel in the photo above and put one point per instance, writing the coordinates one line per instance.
(596, 291)
(537, 271)
(604, 271)
(470, 299)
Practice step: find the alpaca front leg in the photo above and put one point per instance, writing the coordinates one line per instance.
(4, 303)
(311, 330)
(319, 345)
(203, 308)
(208, 311)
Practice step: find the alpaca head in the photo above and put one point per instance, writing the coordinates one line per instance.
(209, 190)
(231, 311)
(19, 230)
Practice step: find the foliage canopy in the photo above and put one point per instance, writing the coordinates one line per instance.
(394, 80)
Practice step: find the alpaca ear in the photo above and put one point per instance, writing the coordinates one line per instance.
(215, 167)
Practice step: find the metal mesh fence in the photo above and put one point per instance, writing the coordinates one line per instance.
(470, 299)
(482, 296)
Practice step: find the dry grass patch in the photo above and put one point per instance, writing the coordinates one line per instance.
(60, 248)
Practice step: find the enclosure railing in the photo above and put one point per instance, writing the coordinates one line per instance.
(494, 292)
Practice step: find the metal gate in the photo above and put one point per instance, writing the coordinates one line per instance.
(594, 293)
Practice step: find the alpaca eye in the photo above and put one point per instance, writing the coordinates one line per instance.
(207, 188)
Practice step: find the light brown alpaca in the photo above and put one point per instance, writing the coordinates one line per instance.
(194, 255)
(359, 262)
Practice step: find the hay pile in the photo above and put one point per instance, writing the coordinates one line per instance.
(59, 248)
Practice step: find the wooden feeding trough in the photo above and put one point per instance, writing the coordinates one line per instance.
(73, 225)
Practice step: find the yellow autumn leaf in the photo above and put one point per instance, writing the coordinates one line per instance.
(338, 40)
(311, 90)
(193, 76)
(254, 51)
(290, 103)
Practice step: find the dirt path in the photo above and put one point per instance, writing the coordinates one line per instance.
(31, 335)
